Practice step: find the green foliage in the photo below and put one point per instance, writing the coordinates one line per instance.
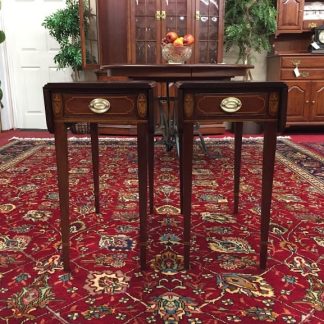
(64, 26)
(2, 36)
(248, 25)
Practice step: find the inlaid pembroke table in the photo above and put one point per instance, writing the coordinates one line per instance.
(263, 102)
(127, 102)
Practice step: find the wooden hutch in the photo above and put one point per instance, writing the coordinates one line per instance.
(293, 63)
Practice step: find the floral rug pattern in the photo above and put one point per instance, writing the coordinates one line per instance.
(223, 285)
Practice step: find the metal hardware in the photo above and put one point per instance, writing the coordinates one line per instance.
(198, 15)
(163, 15)
(99, 105)
(295, 63)
(307, 101)
(231, 104)
(312, 25)
(304, 74)
(158, 15)
(313, 101)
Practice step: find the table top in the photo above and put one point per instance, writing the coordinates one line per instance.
(175, 72)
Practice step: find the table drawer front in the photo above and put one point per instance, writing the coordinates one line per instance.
(305, 74)
(118, 106)
(315, 61)
(230, 105)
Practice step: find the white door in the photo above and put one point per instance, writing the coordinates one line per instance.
(30, 52)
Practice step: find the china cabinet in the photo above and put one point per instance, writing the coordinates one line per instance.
(296, 63)
(130, 31)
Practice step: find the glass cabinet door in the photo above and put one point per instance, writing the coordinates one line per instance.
(176, 17)
(89, 33)
(144, 38)
(209, 31)
(150, 21)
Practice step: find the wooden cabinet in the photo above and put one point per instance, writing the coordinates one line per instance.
(304, 75)
(290, 16)
(292, 62)
(129, 31)
(297, 16)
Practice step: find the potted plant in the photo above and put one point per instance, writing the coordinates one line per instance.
(64, 26)
(248, 26)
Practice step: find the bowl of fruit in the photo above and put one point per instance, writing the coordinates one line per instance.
(177, 49)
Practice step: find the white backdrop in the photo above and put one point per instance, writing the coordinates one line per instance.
(27, 63)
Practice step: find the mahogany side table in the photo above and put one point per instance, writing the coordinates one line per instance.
(114, 102)
(263, 102)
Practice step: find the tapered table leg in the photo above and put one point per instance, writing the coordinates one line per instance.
(142, 149)
(186, 175)
(61, 147)
(95, 162)
(238, 131)
(269, 151)
(151, 169)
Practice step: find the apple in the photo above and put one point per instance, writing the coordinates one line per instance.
(171, 37)
(178, 42)
(188, 39)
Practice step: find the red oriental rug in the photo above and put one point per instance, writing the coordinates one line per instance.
(224, 284)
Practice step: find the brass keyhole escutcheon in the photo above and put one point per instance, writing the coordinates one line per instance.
(231, 104)
(99, 105)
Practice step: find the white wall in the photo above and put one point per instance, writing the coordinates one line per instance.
(259, 72)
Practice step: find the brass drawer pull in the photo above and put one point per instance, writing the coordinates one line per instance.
(295, 63)
(99, 105)
(231, 104)
(304, 74)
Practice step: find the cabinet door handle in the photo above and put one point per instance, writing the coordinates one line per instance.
(158, 15)
(307, 101)
(99, 105)
(198, 15)
(163, 14)
(313, 101)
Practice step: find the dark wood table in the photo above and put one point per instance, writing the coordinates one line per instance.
(263, 102)
(127, 102)
(167, 74)
(173, 72)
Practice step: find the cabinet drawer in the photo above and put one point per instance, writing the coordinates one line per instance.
(315, 61)
(309, 24)
(220, 105)
(305, 74)
(118, 106)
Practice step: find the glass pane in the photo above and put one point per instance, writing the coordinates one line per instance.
(140, 53)
(176, 7)
(151, 52)
(209, 8)
(208, 30)
(145, 31)
(91, 32)
(176, 16)
(203, 27)
(203, 54)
